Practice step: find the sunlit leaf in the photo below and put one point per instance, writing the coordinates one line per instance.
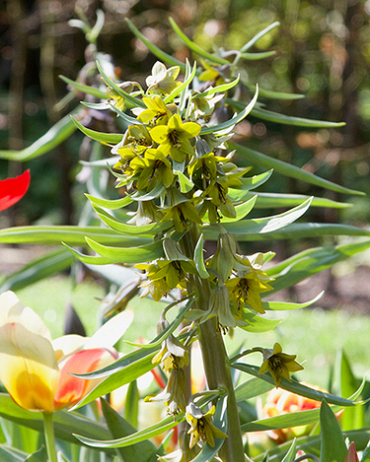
(110, 204)
(296, 387)
(199, 259)
(105, 138)
(258, 324)
(194, 47)
(260, 34)
(85, 88)
(52, 138)
(130, 255)
(284, 306)
(218, 89)
(245, 110)
(289, 170)
(181, 87)
(252, 388)
(333, 447)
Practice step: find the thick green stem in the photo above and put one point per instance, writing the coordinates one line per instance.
(215, 359)
(49, 437)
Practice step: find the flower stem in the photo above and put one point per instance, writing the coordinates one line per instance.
(215, 360)
(49, 437)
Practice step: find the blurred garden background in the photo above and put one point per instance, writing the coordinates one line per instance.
(322, 52)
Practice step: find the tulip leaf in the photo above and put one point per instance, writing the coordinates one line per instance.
(289, 170)
(64, 422)
(137, 437)
(129, 255)
(220, 422)
(8, 454)
(333, 447)
(257, 324)
(290, 455)
(131, 405)
(285, 306)
(85, 88)
(199, 259)
(234, 120)
(352, 418)
(300, 389)
(105, 138)
(123, 371)
(52, 138)
(259, 225)
(38, 269)
(72, 235)
(309, 262)
(119, 427)
(273, 200)
(110, 204)
(252, 388)
(112, 222)
(38, 456)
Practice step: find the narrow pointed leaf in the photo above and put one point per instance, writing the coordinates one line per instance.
(132, 405)
(112, 222)
(72, 235)
(38, 456)
(290, 455)
(165, 57)
(270, 94)
(64, 422)
(310, 262)
(333, 447)
(41, 268)
(194, 47)
(260, 34)
(137, 437)
(110, 204)
(8, 454)
(256, 56)
(234, 120)
(254, 181)
(84, 88)
(290, 120)
(199, 259)
(273, 200)
(186, 185)
(148, 196)
(218, 89)
(252, 388)
(129, 255)
(241, 210)
(296, 387)
(130, 120)
(105, 138)
(52, 138)
(289, 170)
(257, 324)
(134, 101)
(119, 427)
(181, 87)
(259, 225)
(285, 306)
(88, 259)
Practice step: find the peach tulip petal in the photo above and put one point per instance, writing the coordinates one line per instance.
(71, 389)
(29, 370)
(12, 310)
(68, 344)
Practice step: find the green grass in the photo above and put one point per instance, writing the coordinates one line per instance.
(314, 335)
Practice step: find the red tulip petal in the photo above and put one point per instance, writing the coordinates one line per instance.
(352, 454)
(71, 389)
(13, 189)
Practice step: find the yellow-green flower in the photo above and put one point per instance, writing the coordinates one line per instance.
(182, 214)
(153, 168)
(119, 100)
(135, 142)
(174, 137)
(215, 73)
(157, 113)
(163, 80)
(279, 364)
(165, 275)
(173, 394)
(201, 426)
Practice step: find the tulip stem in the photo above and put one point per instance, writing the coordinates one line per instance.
(49, 437)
